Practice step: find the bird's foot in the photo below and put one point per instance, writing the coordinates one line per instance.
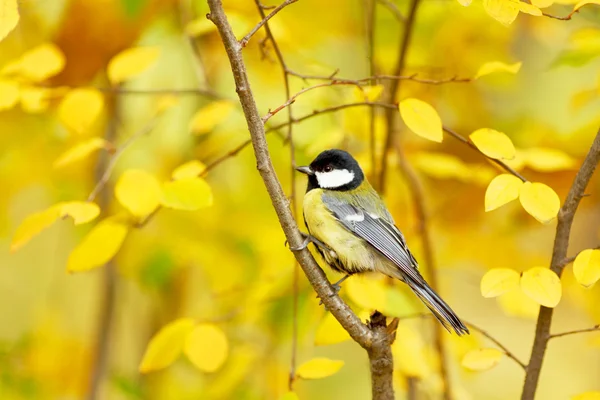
(336, 287)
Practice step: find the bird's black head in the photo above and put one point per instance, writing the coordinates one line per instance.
(333, 170)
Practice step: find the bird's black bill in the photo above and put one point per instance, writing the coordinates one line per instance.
(305, 170)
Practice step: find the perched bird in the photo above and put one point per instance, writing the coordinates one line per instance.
(354, 232)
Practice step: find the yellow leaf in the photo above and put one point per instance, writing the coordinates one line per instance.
(540, 201)
(330, 331)
(465, 3)
(34, 99)
(9, 17)
(547, 160)
(98, 247)
(442, 166)
(166, 345)
(585, 2)
(503, 11)
(206, 347)
(422, 119)
(542, 286)
(138, 191)
(9, 93)
(586, 267)
(498, 281)
(530, 9)
(497, 66)
(367, 93)
(187, 194)
(493, 144)
(367, 293)
(130, 63)
(289, 396)
(190, 169)
(481, 359)
(41, 62)
(318, 368)
(81, 211)
(516, 304)
(501, 190)
(200, 27)
(587, 396)
(33, 225)
(205, 119)
(80, 151)
(409, 353)
(80, 108)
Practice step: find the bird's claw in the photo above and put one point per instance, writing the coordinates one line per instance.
(303, 246)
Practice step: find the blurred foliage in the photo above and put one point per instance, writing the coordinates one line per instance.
(129, 103)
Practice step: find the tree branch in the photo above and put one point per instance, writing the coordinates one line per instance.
(373, 340)
(559, 253)
(280, 7)
(504, 349)
(595, 328)
(393, 9)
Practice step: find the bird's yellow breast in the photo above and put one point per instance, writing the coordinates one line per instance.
(352, 254)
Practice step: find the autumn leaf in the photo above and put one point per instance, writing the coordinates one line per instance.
(98, 247)
(207, 347)
(34, 100)
(585, 2)
(442, 165)
(498, 281)
(138, 191)
(130, 63)
(41, 62)
(166, 345)
(330, 331)
(481, 359)
(422, 119)
(33, 225)
(542, 285)
(81, 151)
(318, 368)
(586, 267)
(9, 17)
(9, 94)
(503, 11)
(187, 194)
(190, 169)
(530, 9)
(81, 211)
(208, 117)
(80, 108)
(540, 201)
(199, 27)
(497, 66)
(501, 190)
(493, 144)
(547, 160)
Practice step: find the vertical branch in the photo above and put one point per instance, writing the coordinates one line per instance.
(372, 338)
(559, 254)
(108, 285)
(371, 10)
(290, 140)
(418, 199)
(392, 114)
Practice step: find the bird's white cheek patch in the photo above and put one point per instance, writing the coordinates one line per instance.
(334, 179)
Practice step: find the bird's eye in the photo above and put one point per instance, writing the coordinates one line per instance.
(328, 168)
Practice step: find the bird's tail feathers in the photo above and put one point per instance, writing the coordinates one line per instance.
(439, 308)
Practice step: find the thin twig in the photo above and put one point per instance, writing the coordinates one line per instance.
(500, 163)
(290, 140)
(375, 341)
(292, 99)
(116, 155)
(393, 9)
(595, 328)
(392, 91)
(504, 349)
(565, 219)
(280, 7)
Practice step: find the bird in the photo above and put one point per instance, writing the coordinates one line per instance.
(354, 232)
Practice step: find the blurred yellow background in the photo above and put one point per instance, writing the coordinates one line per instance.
(227, 264)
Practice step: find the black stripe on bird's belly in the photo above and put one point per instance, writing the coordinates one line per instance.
(334, 263)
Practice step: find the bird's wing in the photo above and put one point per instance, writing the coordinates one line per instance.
(376, 231)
